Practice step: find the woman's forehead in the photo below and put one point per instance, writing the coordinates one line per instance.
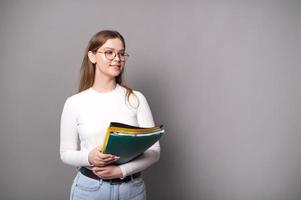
(114, 43)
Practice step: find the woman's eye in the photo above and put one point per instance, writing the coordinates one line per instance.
(109, 52)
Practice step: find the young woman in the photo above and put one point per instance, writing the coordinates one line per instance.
(103, 98)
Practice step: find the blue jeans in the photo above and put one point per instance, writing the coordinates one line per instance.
(85, 188)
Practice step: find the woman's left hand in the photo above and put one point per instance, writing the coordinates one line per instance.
(108, 172)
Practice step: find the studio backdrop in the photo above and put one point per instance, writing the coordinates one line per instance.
(223, 76)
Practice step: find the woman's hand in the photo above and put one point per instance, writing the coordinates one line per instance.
(108, 172)
(99, 159)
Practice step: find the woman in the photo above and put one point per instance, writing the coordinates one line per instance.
(103, 98)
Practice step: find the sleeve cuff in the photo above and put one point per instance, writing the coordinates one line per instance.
(86, 159)
(124, 170)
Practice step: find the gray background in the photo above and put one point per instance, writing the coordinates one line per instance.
(223, 76)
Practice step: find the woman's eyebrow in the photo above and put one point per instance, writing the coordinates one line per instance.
(112, 48)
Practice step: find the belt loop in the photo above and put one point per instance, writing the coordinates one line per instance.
(100, 181)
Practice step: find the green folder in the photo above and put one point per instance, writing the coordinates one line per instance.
(128, 142)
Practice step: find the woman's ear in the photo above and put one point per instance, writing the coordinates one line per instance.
(91, 57)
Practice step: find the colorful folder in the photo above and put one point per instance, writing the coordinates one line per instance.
(128, 142)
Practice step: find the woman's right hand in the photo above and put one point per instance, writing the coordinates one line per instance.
(97, 158)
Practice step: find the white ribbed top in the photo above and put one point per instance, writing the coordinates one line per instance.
(86, 117)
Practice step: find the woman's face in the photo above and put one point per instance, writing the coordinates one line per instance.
(106, 63)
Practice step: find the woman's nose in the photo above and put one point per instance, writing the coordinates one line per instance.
(117, 58)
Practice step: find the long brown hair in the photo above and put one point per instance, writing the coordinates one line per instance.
(87, 71)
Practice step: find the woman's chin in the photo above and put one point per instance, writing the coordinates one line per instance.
(115, 73)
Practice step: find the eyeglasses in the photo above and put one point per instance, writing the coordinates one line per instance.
(110, 55)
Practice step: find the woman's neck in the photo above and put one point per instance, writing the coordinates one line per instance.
(104, 85)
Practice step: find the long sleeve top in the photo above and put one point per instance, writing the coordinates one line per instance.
(86, 117)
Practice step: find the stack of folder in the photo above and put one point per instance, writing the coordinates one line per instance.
(128, 142)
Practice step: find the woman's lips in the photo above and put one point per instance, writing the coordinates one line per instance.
(116, 66)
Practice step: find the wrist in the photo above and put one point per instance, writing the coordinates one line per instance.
(119, 172)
